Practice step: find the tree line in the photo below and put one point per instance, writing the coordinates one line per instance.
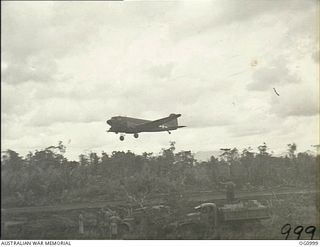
(46, 176)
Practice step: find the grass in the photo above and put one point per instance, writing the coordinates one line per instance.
(294, 210)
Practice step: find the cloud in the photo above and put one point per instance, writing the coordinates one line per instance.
(68, 66)
(207, 16)
(296, 101)
(36, 70)
(235, 11)
(16, 101)
(271, 75)
(43, 33)
(162, 70)
(257, 122)
(62, 110)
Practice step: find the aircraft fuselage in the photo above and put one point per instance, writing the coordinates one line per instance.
(129, 125)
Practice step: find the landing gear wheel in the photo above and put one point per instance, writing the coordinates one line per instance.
(121, 138)
(136, 135)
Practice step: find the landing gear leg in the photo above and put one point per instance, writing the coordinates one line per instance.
(121, 138)
(136, 135)
(169, 132)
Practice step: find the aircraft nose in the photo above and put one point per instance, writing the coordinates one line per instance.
(109, 122)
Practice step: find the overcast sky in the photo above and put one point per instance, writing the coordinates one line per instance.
(69, 66)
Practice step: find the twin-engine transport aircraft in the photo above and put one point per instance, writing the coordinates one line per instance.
(134, 126)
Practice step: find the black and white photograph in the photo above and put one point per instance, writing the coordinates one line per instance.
(160, 120)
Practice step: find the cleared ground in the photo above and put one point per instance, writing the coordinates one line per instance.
(297, 208)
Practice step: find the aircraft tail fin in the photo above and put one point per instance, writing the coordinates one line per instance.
(172, 123)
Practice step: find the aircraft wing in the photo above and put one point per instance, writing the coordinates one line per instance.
(156, 123)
